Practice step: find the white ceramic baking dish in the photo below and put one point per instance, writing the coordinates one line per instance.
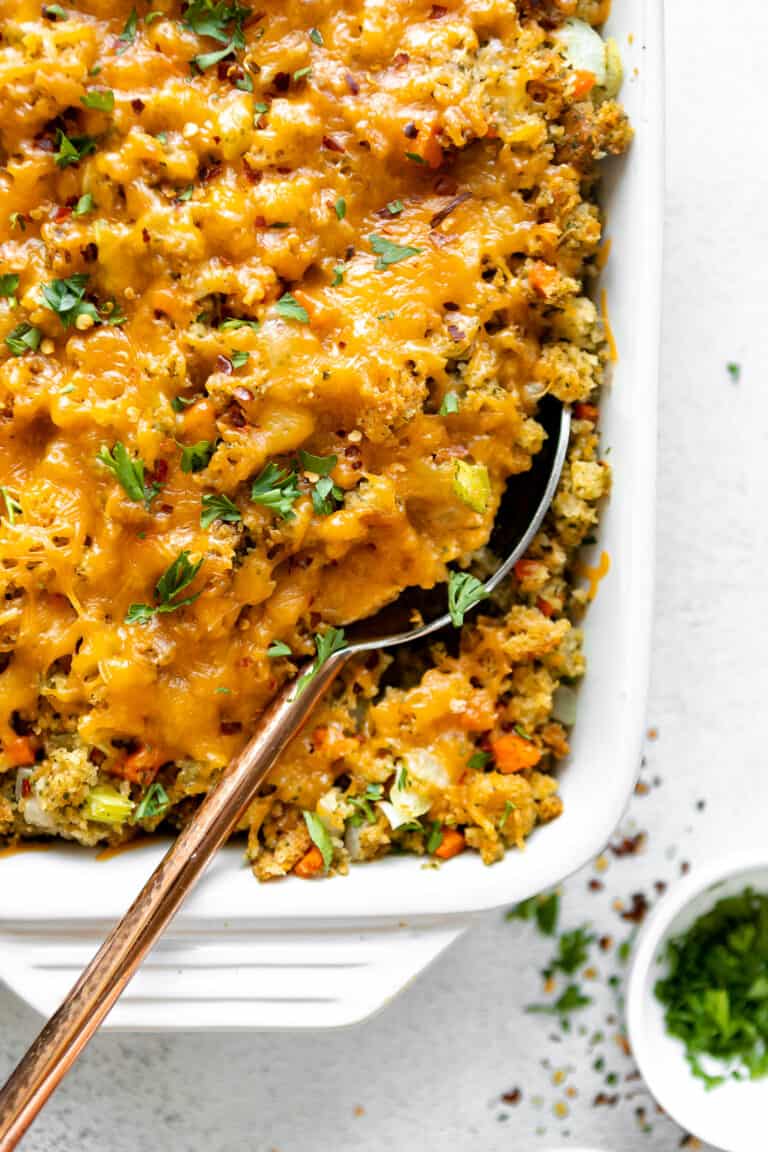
(297, 954)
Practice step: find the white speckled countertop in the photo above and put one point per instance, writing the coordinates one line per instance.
(430, 1070)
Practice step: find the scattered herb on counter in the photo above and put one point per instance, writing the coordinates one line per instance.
(177, 577)
(464, 592)
(571, 1000)
(545, 910)
(734, 371)
(715, 994)
(572, 952)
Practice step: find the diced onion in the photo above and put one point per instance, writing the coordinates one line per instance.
(105, 805)
(583, 48)
(564, 706)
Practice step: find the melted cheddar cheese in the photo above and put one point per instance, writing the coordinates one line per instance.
(328, 252)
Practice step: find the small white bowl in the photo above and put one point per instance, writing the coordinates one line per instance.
(732, 1116)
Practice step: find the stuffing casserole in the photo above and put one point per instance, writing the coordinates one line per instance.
(282, 288)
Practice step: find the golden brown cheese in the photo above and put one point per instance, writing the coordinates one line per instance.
(387, 195)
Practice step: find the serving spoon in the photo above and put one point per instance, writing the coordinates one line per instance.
(416, 613)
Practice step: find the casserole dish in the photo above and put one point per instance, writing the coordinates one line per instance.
(293, 954)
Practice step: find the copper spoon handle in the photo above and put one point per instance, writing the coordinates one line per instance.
(68, 1031)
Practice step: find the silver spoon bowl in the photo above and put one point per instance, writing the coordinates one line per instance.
(524, 506)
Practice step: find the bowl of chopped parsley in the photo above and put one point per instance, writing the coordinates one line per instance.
(697, 1004)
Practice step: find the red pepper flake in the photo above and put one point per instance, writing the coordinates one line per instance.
(514, 1096)
(603, 1099)
(400, 59)
(638, 910)
(629, 846)
(595, 885)
(332, 144)
(684, 868)
(605, 943)
(352, 83)
(437, 11)
(243, 395)
(442, 213)
(145, 235)
(26, 787)
(159, 474)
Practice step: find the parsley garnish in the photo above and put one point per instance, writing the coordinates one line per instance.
(435, 838)
(341, 207)
(17, 220)
(9, 282)
(196, 457)
(129, 472)
(128, 34)
(316, 37)
(72, 150)
(289, 308)
(389, 253)
(326, 644)
(572, 952)
(320, 838)
(65, 298)
(734, 371)
(179, 403)
(84, 204)
(302, 74)
(363, 805)
(154, 801)
(54, 12)
(338, 275)
(12, 506)
(545, 910)
(277, 648)
(415, 157)
(23, 338)
(325, 494)
(508, 807)
(185, 194)
(395, 207)
(232, 323)
(103, 100)
(450, 404)
(216, 506)
(177, 576)
(571, 1000)
(478, 760)
(237, 359)
(464, 591)
(276, 488)
(220, 21)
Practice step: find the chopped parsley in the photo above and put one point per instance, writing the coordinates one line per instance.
(341, 207)
(9, 282)
(289, 308)
(508, 807)
(316, 36)
(129, 472)
(544, 909)
(232, 323)
(23, 338)
(326, 644)
(153, 803)
(464, 592)
(128, 34)
(196, 457)
(17, 220)
(55, 12)
(302, 74)
(71, 150)
(84, 205)
(237, 359)
(415, 157)
(12, 506)
(66, 299)
(435, 838)
(276, 488)
(389, 253)
(715, 992)
(450, 404)
(185, 194)
(220, 21)
(176, 578)
(571, 1000)
(277, 649)
(102, 99)
(216, 506)
(326, 495)
(572, 952)
(395, 207)
(734, 371)
(363, 805)
(320, 838)
(338, 275)
(478, 760)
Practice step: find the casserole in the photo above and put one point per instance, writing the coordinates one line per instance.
(309, 955)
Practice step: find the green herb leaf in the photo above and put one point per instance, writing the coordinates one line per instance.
(322, 465)
(316, 37)
(139, 614)
(395, 207)
(289, 308)
(237, 359)
(12, 506)
(84, 205)
(232, 323)
(326, 496)
(216, 506)
(320, 837)
(55, 12)
(152, 16)
(464, 592)
(179, 403)
(244, 82)
(276, 488)
(129, 472)
(734, 371)
(153, 803)
(217, 19)
(544, 909)
(185, 194)
(260, 108)
(128, 34)
(363, 805)
(70, 151)
(9, 282)
(302, 74)
(17, 220)
(478, 760)
(66, 299)
(572, 951)
(103, 100)
(417, 159)
(508, 807)
(338, 275)
(277, 649)
(341, 207)
(571, 1000)
(207, 60)
(177, 576)
(326, 644)
(435, 838)
(389, 253)
(196, 457)
(23, 338)
(450, 404)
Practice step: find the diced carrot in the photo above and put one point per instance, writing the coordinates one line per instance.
(141, 766)
(19, 753)
(542, 278)
(310, 864)
(514, 753)
(583, 83)
(451, 844)
(199, 421)
(586, 412)
(544, 607)
(432, 153)
(525, 569)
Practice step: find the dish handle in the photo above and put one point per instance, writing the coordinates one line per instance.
(214, 975)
